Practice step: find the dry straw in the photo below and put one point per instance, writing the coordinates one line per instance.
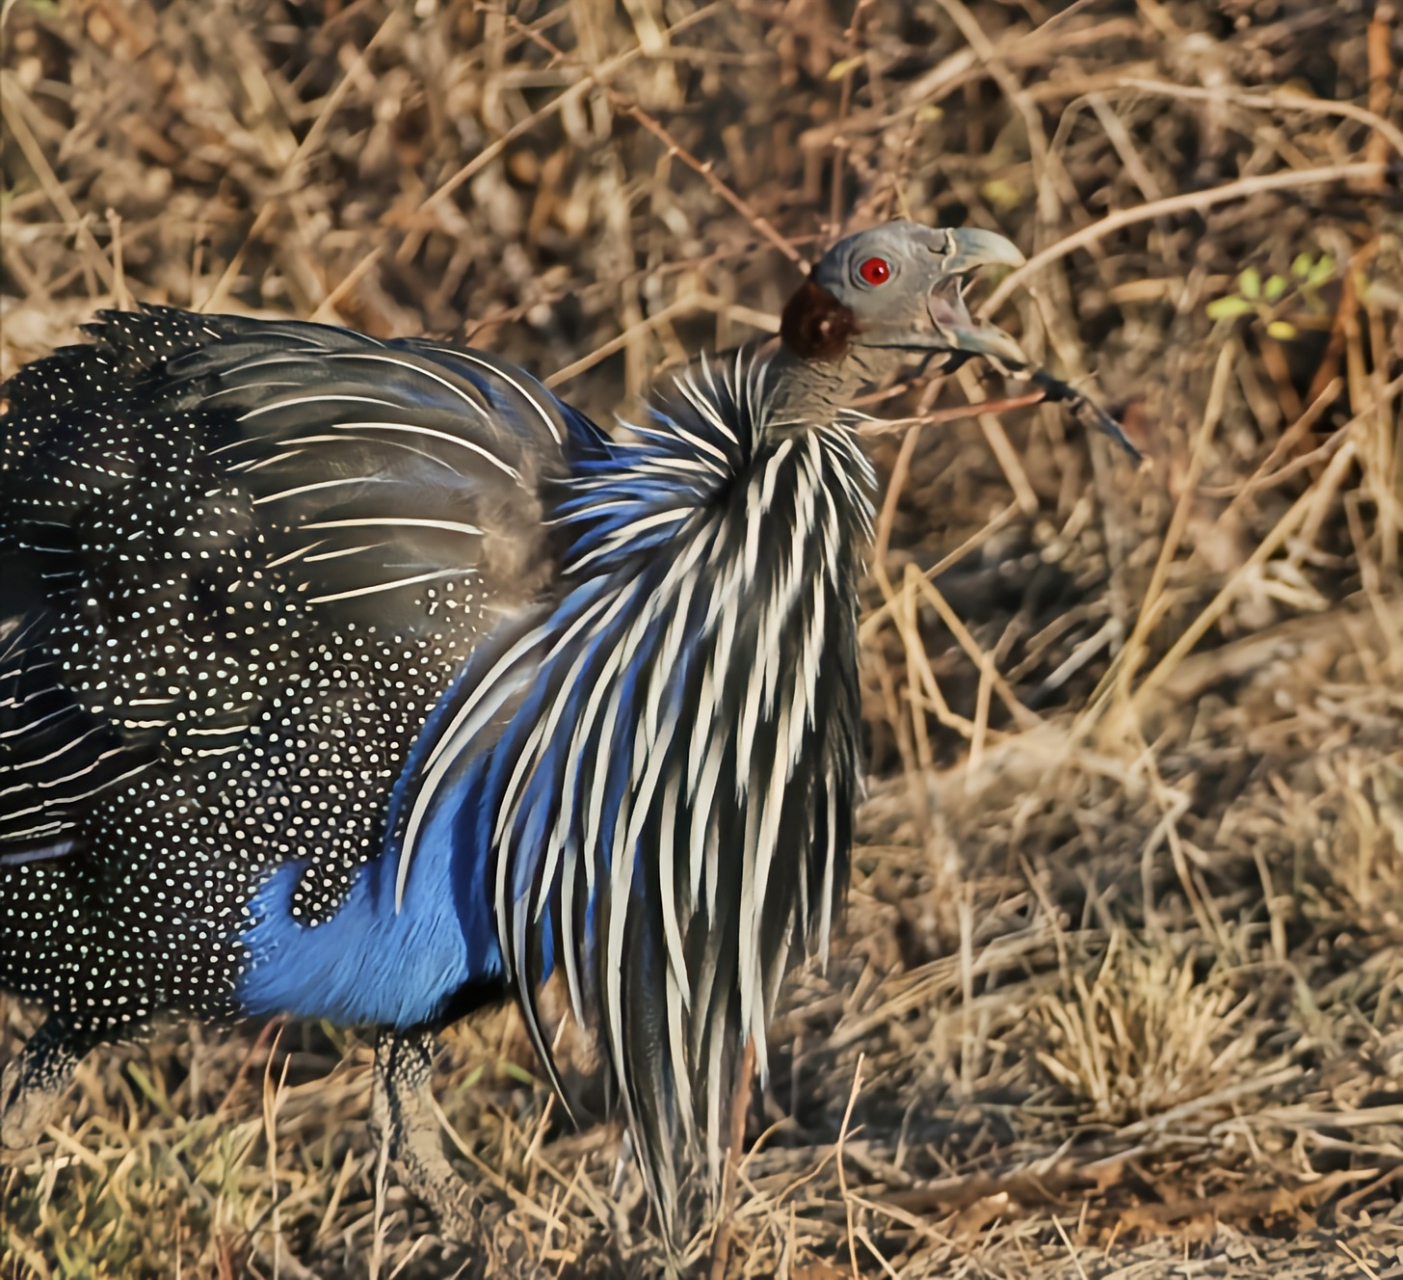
(1118, 992)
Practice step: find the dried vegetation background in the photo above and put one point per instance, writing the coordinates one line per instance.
(1119, 993)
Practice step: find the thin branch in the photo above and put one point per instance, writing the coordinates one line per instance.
(761, 224)
(1192, 201)
(1268, 547)
(1274, 102)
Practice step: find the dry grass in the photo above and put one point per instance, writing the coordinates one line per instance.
(1119, 992)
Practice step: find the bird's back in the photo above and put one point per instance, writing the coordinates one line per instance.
(242, 561)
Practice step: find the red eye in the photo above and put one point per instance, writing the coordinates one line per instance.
(875, 271)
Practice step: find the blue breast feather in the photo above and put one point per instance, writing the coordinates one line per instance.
(372, 964)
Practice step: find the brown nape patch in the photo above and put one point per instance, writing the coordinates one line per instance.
(815, 325)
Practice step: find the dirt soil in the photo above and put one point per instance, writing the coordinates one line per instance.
(1119, 988)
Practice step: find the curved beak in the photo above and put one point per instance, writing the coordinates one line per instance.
(974, 248)
(955, 329)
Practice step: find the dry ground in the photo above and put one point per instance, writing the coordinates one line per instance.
(1119, 992)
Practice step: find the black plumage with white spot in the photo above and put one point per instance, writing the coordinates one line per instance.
(242, 562)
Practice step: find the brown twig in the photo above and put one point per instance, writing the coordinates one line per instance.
(1385, 132)
(1151, 606)
(761, 224)
(1188, 202)
(958, 413)
(740, 1111)
(1285, 527)
(704, 169)
(1383, 82)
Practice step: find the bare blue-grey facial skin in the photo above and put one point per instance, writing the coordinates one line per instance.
(920, 302)
(915, 302)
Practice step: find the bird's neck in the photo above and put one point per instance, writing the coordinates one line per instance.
(815, 391)
(710, 455)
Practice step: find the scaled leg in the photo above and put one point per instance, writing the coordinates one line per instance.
(33, 1082)
(402, 1115)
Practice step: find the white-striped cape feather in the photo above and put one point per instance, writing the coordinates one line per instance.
(669, 801)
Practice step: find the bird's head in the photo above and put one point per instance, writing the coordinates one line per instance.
(898, 288)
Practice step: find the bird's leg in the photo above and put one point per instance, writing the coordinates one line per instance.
(404, 1121)
(35, 1079)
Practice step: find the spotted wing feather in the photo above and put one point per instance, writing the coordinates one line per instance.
(204, 512)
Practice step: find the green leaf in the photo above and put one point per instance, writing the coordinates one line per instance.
(1229, 308)
(1321, 272)
(1001, 194)
(839, 69)
(519, 1074)
(1276, 286)
(1281, 330)
(1301, 265)
(1250, 282)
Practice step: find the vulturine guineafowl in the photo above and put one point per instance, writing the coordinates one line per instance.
(369, 681)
